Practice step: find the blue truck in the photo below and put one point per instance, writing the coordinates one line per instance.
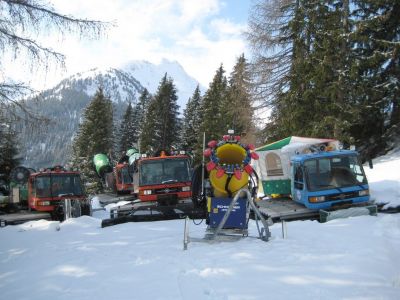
(326, 179)
(303, 176)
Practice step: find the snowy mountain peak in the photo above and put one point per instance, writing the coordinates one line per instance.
(117, 84)
(65, 102)
(150, 76)
(126, 82)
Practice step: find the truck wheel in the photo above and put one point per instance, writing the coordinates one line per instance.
(58, 213)
(86, 209)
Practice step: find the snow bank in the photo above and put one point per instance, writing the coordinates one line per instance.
(384, 179)
(348, 258)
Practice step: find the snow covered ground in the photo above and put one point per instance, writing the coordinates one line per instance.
(353, 258)
(384, 179)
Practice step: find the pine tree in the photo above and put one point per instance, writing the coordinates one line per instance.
(192, 117)
(8, 150)
(213, 123)
(95, 135)
(147, 137)
(140, 113)
(167, 122)
(239, 110)
(337, 60)
(320, 77)
(161, 126)
(377, 74)
(313, 42)
(128, 130)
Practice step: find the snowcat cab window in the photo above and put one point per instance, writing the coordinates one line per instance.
(53, 185)
(126, 178)
(334, 172)
(318, 173)
(356, 168)
(42, 187)
(298, 177)
(164, 171)
(273, 164)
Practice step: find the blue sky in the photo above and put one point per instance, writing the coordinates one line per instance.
(199, 34)
(236, 10)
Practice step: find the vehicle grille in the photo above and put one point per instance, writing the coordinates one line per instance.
(342, 196)
(167, 190)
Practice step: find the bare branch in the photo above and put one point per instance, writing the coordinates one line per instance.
(271, 47)
(19, 20)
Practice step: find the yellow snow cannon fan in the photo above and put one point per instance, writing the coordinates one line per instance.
(229, 165)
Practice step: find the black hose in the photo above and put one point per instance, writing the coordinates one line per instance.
(194, 222)
(198, 197)
(255, 187)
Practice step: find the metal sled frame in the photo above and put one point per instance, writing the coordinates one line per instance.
(220, 234)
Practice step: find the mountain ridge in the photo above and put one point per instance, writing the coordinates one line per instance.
(65, 102)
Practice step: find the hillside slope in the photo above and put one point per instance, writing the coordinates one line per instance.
(64, 104)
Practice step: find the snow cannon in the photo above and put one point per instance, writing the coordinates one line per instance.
(19, 177)
(229, 165)
(102, 164)
(133, 155)
(229, 192)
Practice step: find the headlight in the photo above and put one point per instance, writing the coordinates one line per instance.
(43, 203)
(186, 189)
(363, 193)
(316, 199)
(147, 192)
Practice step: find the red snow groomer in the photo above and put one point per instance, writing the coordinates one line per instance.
(41, 195)
(117, 179)
(163, 179)
(48, 188)
(162, 184)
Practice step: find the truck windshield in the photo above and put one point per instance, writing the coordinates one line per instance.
(164, 171)
(124, 176)
(334, 172)
(53, 185)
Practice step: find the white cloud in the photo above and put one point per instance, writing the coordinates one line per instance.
(191, 32)
(227, 28)
(197, 10)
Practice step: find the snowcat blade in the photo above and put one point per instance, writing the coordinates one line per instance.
(156, 215)
(326, 216)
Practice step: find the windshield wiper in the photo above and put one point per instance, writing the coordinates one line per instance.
(66, 194)
(169, 181)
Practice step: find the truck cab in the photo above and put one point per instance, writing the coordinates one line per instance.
(327, 179)
(123, 180)
(164, 179)
(52, 193)
(48, 188)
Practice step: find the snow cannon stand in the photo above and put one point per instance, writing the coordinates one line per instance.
(229, 192)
